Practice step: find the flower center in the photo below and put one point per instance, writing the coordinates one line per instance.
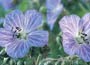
(82, 38)
(19, 33)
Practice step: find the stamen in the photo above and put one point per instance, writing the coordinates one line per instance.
(19, 33)
(18, 28)
(82, 38)
(84, 34)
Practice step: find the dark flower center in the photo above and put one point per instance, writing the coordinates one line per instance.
(19, 33)
(82, 38)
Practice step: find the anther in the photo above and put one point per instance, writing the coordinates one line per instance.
(84, 34)
(18, 28)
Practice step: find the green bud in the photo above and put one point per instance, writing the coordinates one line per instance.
(43, 9)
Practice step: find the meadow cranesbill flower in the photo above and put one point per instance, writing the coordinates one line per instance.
(20, 32)
(76, 35)
(6, 4)
(54, 8)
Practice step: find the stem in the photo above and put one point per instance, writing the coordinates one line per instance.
(66, 11)
(37, 61)
(82, 7)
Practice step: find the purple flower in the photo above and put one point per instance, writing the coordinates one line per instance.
(21, 31)
(76, 35)
(6, 4)
(54, 8)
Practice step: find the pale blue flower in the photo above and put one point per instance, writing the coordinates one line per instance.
(6, 4)
(21, 31)
(54, 8)
(76, 35)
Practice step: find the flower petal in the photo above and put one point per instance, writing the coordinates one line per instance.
(17, 49)
(14, 19)
(69, 44)
(70, 24)
(38, 38)
(5, 37)
(86, 22)
(33, 20)
(54, 8)
(84, 52)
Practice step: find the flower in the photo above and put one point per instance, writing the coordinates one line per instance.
(54, 8)
(20, 32)
(6, 4)
(76, 35)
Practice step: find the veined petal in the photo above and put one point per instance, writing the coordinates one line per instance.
(69, 44)
(84, 52)
(38, 38)
(14, 19)
(33, 20)
(86, 22)
(54, 8)
(17, 49)
(5, 37)
(70, 24)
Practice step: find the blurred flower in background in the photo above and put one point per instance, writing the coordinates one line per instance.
(76, 35)
(21, 32)
(9, 4)
(54, 8)
(6, 4)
